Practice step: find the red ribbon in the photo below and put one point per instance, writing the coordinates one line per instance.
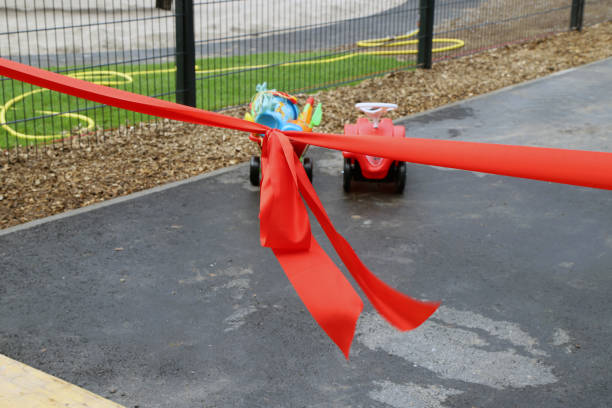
(284, 224)
(327, 294)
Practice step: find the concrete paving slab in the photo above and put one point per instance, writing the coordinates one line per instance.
(25, 387)
(167, 300)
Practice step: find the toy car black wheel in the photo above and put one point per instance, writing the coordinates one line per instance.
(255, 171)
(356, 173)
(347, 176)
(400, 177)
(308, 167)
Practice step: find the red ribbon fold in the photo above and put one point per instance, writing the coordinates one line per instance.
(327, 294)
(284, 224)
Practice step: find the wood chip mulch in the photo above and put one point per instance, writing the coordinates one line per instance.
(59, 178)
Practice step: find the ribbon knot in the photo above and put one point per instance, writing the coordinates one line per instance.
(282, 212)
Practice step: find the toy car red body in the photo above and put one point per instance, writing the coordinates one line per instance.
(368, 168)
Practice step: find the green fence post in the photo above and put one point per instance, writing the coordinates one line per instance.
(577, 15)
(426, 23)
(185, 53)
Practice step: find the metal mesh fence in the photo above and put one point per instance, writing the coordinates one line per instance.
(597, 11)
(125, 44)
(313, 45)
(488, 24)
(237, 44)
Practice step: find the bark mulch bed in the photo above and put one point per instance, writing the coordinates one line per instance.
(130, 159)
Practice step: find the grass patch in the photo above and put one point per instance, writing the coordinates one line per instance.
(41, 116)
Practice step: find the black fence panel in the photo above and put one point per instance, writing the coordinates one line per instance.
(124, 44)
(597, 11)
(309, 46)
(484, 25)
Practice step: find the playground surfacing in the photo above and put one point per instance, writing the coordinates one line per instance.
(166, 299)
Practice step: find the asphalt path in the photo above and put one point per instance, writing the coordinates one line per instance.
(166, 299)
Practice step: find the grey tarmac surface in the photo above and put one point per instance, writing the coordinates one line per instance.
(167, 300)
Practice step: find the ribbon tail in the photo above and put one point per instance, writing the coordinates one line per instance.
(400, 310)
(326, 293)
(324, 290)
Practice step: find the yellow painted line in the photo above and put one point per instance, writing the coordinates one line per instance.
(22, 386)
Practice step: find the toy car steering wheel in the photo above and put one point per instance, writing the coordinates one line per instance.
(375, 110)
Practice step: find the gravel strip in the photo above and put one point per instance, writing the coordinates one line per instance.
(140, 157)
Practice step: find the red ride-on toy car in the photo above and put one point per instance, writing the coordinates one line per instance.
(368, 168)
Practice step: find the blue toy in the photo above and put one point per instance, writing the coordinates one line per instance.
(279, 110)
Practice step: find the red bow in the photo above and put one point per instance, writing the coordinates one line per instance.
(284, 228)
(284, 225)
